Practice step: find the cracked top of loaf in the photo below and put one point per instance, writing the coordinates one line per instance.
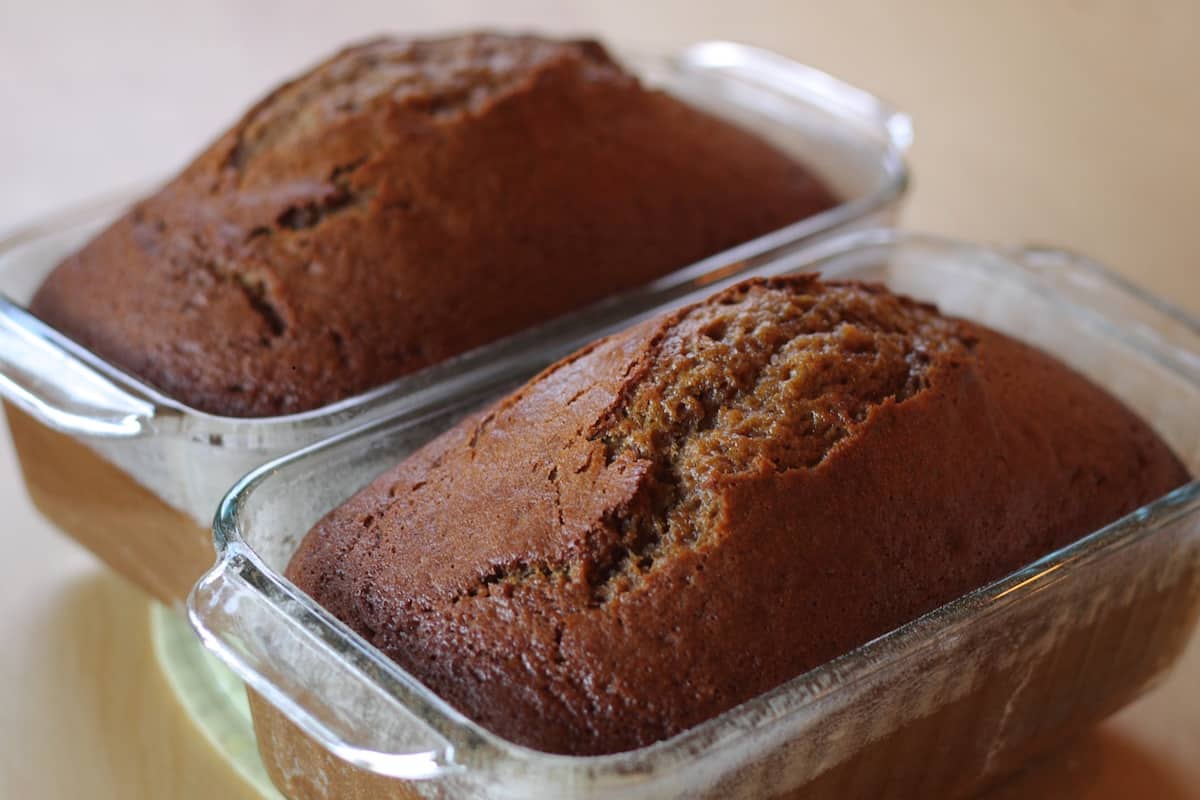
(689, 513)
(405, 201)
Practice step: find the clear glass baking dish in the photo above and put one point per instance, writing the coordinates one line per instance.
(75, 418)
(936, 708)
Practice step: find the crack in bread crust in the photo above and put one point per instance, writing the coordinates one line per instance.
(761, 377)
(443, 78)
(756, 366)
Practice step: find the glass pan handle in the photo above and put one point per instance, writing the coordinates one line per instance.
(299, 663)
(781, 73)
(45, 380)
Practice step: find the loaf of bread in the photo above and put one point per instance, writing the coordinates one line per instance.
(406, 201)
(689, 513)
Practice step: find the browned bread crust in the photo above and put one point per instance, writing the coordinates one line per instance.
(689, 513)
(405, 201)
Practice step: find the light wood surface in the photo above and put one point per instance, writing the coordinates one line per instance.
(1061, 122)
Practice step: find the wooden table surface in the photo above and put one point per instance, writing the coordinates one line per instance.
(1061, 122)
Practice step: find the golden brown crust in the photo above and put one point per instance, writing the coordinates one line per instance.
(710, 503)
(406, 201)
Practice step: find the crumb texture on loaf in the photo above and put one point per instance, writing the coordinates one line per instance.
(691, 512)
(405, 201)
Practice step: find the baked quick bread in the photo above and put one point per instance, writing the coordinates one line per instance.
(403, 202)
(689, 513)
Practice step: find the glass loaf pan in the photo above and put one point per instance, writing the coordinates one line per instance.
(936, 708)
(136, 476)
